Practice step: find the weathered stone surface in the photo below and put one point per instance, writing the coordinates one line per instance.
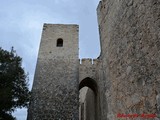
(125, 78)
(129, 36)
(55, 89)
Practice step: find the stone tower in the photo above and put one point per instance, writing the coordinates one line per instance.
(55, 87)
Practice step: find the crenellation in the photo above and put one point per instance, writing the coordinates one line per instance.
(88, 61)
(95, 61)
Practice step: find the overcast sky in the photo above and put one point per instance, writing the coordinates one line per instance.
(21, 27)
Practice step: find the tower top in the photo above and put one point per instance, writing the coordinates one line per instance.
(59, 41)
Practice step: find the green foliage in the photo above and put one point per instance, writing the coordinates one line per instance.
(14, 91)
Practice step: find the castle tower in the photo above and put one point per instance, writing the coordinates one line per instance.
(55, 88)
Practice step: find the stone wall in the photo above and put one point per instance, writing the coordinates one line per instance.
(130, 57)
(90, 105)
(87, 104)
(82, 103)
(87, 68)
(55, 88)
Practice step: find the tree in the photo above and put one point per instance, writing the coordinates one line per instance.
(14, 92)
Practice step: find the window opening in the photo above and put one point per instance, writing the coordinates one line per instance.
(60, 42)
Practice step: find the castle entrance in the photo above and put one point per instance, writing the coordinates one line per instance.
(87, 99)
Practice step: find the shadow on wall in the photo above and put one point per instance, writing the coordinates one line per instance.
(89, 82)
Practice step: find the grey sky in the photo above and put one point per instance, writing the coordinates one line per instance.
(22, 21)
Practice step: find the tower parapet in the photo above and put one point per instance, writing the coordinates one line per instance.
(88, 61)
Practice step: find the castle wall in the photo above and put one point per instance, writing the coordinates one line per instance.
(87, 104)
(130, 57)
(90, 105)
(82, 103)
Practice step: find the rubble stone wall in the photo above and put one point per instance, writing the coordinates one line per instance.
(130, 57)
(55, 93)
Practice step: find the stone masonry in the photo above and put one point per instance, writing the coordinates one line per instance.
(129, 76)
(55, 89)
(125, 78)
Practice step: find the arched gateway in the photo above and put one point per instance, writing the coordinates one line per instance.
(88, 99)
(89, 82)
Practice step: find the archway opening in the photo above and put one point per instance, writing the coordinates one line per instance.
(89, 82)
(87, 99)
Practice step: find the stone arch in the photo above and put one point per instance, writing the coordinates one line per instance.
(89, 82)
(91, 99)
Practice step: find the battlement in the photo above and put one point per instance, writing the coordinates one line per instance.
(88, 61)
(87, 68)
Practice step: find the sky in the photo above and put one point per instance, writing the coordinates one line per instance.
(21, 24)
